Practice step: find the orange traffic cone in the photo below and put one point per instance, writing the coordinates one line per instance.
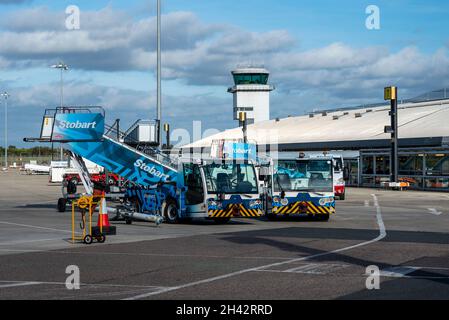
(103, 220)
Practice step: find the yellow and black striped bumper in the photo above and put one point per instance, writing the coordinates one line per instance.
(297, 208)
(235, 210)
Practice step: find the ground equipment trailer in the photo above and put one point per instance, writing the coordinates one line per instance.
(217, 189)
(301, 186)
(109, 179)
(340, 173)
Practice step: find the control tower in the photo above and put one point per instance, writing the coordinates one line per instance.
(251, 93)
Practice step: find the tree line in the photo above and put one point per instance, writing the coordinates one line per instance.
(29, 152)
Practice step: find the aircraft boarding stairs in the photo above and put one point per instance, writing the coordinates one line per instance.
(83, 132)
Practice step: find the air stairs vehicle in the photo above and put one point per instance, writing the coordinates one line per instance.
(176, 188)
(299, 187)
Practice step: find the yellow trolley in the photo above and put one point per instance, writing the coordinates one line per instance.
(87, 205)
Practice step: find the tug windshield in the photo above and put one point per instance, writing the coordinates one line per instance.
(314, 175)
(231, 178)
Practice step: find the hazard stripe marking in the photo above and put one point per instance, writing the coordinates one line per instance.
(295, 207)
(312, 208)
(242, 208)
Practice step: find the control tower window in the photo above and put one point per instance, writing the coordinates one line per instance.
(250, 79)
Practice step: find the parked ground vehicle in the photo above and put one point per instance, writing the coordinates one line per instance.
(229, 188)
(59, 169)
(299, 186)
(112, 178)
(339, 177)
(217, 189)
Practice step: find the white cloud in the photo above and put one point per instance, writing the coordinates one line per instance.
(33, 19)
(199, 54)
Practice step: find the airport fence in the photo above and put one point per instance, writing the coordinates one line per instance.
(20, 161)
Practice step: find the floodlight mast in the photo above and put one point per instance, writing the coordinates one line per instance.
(63, 67)
(5, 95)
(159, 70)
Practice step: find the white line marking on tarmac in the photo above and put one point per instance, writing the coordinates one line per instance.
(34, 227)
(18, 250)
(366, 203)
(145, 254)
(29, 283)
(316, 268)
(435, 211)
(429, 268)
(305, 268)
(28, 241)
(18, 284)
(382, 235)
(397, 272)
(176, 255)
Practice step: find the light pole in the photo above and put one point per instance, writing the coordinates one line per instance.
(63, 67)
(159, 89)
(6, 96)
(243, 121)
(391, 93)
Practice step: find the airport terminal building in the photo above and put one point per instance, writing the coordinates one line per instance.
(359, 135)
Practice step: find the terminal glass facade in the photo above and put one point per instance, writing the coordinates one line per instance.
(424, 169)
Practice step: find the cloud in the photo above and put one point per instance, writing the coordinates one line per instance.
(203, 54)
(33, 19)
(198, 54)
(109, 40)
(125, 104)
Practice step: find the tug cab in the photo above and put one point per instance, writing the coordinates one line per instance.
(221, 189)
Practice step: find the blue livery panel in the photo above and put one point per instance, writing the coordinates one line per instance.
(78, 127)
(121, 160)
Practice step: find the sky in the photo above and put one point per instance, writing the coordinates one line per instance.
(320, 54)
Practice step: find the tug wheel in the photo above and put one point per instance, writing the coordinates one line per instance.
(62, 204)
(88, 239)
(170, 211)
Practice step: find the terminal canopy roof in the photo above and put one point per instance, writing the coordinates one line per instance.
(423, 124)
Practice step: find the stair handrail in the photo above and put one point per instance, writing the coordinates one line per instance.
(112, 132)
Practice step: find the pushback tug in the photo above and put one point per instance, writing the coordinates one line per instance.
(299, 186)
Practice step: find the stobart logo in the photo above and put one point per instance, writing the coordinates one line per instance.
(150, 169)
(77, 125)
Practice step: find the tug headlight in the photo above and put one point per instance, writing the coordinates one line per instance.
(215, 204)
(324, 201)
(255, 203)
